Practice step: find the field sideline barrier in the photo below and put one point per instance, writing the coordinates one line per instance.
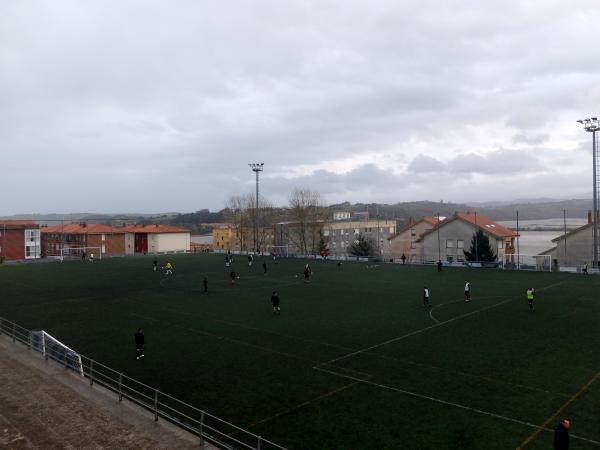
(198, 422)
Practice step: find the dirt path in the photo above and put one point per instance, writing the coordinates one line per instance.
(38, 410)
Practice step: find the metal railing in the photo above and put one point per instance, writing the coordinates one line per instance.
(198, 422)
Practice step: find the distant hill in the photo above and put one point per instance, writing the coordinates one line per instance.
(528, 210)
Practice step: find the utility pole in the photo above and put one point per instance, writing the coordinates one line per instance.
(592, 125)
(518, 250)
(565, 231)
(439, 242)
(256, 168)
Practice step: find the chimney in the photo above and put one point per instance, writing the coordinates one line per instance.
(589, 217)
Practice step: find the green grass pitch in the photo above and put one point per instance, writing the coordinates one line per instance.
(354, 361)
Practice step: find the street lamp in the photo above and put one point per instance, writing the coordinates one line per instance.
(256, 168)
(592, 125)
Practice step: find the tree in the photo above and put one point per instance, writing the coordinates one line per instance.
(361, 246)
(480, 248)
(308, 211)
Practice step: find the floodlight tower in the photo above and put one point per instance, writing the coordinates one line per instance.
(256, 168)
(592, 125)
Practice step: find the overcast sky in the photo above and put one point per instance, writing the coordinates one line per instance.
(148, 106)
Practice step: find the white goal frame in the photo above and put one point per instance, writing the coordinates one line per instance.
(52, 348)
(65, 251)
(281, 250)
(520, 261)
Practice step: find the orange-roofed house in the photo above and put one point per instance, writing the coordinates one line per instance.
(449, 239)
(102, 240)
(406, 241)
(155, 238)
(19, 240)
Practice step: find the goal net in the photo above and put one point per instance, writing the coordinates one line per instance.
(527, 262)
(54, 349)
(281, 251)
(80, 252)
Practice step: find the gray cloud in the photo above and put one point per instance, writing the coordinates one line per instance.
(138, 100)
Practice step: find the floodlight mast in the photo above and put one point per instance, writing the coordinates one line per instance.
(256, 168)
(591, 125)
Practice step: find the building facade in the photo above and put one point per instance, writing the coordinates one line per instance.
(19, 240)
(574, 248)
(142, 239)
(72, 238)
(448, 240)
(339, 235)
(223, 237)
(407, 240)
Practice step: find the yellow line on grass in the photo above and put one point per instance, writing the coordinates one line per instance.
(574, 397)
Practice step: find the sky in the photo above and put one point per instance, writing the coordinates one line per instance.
(154, 106)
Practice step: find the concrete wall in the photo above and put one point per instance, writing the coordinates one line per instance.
(129, 244)
(168, 242)
(340, 235)
(454, 231)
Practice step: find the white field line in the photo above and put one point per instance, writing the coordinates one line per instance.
(439, 324)
(448, 403)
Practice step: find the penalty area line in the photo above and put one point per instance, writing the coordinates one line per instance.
(453, 404)
(439, 324)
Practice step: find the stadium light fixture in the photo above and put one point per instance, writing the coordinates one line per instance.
(592, 126)
(256, 168)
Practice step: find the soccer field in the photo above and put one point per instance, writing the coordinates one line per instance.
(354, 361)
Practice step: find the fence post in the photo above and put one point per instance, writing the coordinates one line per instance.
(259, 443)
(91, 372)
(202, 427)
(156, 405)
(120, 386)
(29, 341)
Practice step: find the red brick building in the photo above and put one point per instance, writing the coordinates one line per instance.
(19, 240)
(106, 240)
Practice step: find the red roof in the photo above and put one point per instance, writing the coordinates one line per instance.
(431, 220)
(486, 224)
(76, 228)
(17, 224)
(482, 222)
(156, 228)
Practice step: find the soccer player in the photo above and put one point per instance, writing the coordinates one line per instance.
(275, 303)
(83, 256)
(205, 284)
(439, 265)
(339, 264)
(530, 296)
(403, 258)
(233, 277)
(91, 257)
(139, 343)
(155, 264)
(467, 291)
(306, 273)
(226, 260)
(249, 260)
(561, 435)
(426, 297)
(585, 267)
(264, 268)
(168, 268)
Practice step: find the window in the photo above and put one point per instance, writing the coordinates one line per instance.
(413, 244)
(103, 237)
(325, 232)
(500, 245)
(413, 232)
(449, 243)
(460, 244)
(449, 258)
(391, 229)
(356, 230)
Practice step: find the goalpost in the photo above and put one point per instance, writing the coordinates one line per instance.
(77, 252)
(280, 250)
(56, 350)
(519, 261)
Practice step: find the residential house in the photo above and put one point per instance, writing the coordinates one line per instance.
(155, 238)
(406, 241)
(19, 240)
(449, 239)
(223, 237)
(574, 248)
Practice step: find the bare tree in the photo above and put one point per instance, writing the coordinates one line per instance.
(308, 212)
(241, 212)
(237, 214)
